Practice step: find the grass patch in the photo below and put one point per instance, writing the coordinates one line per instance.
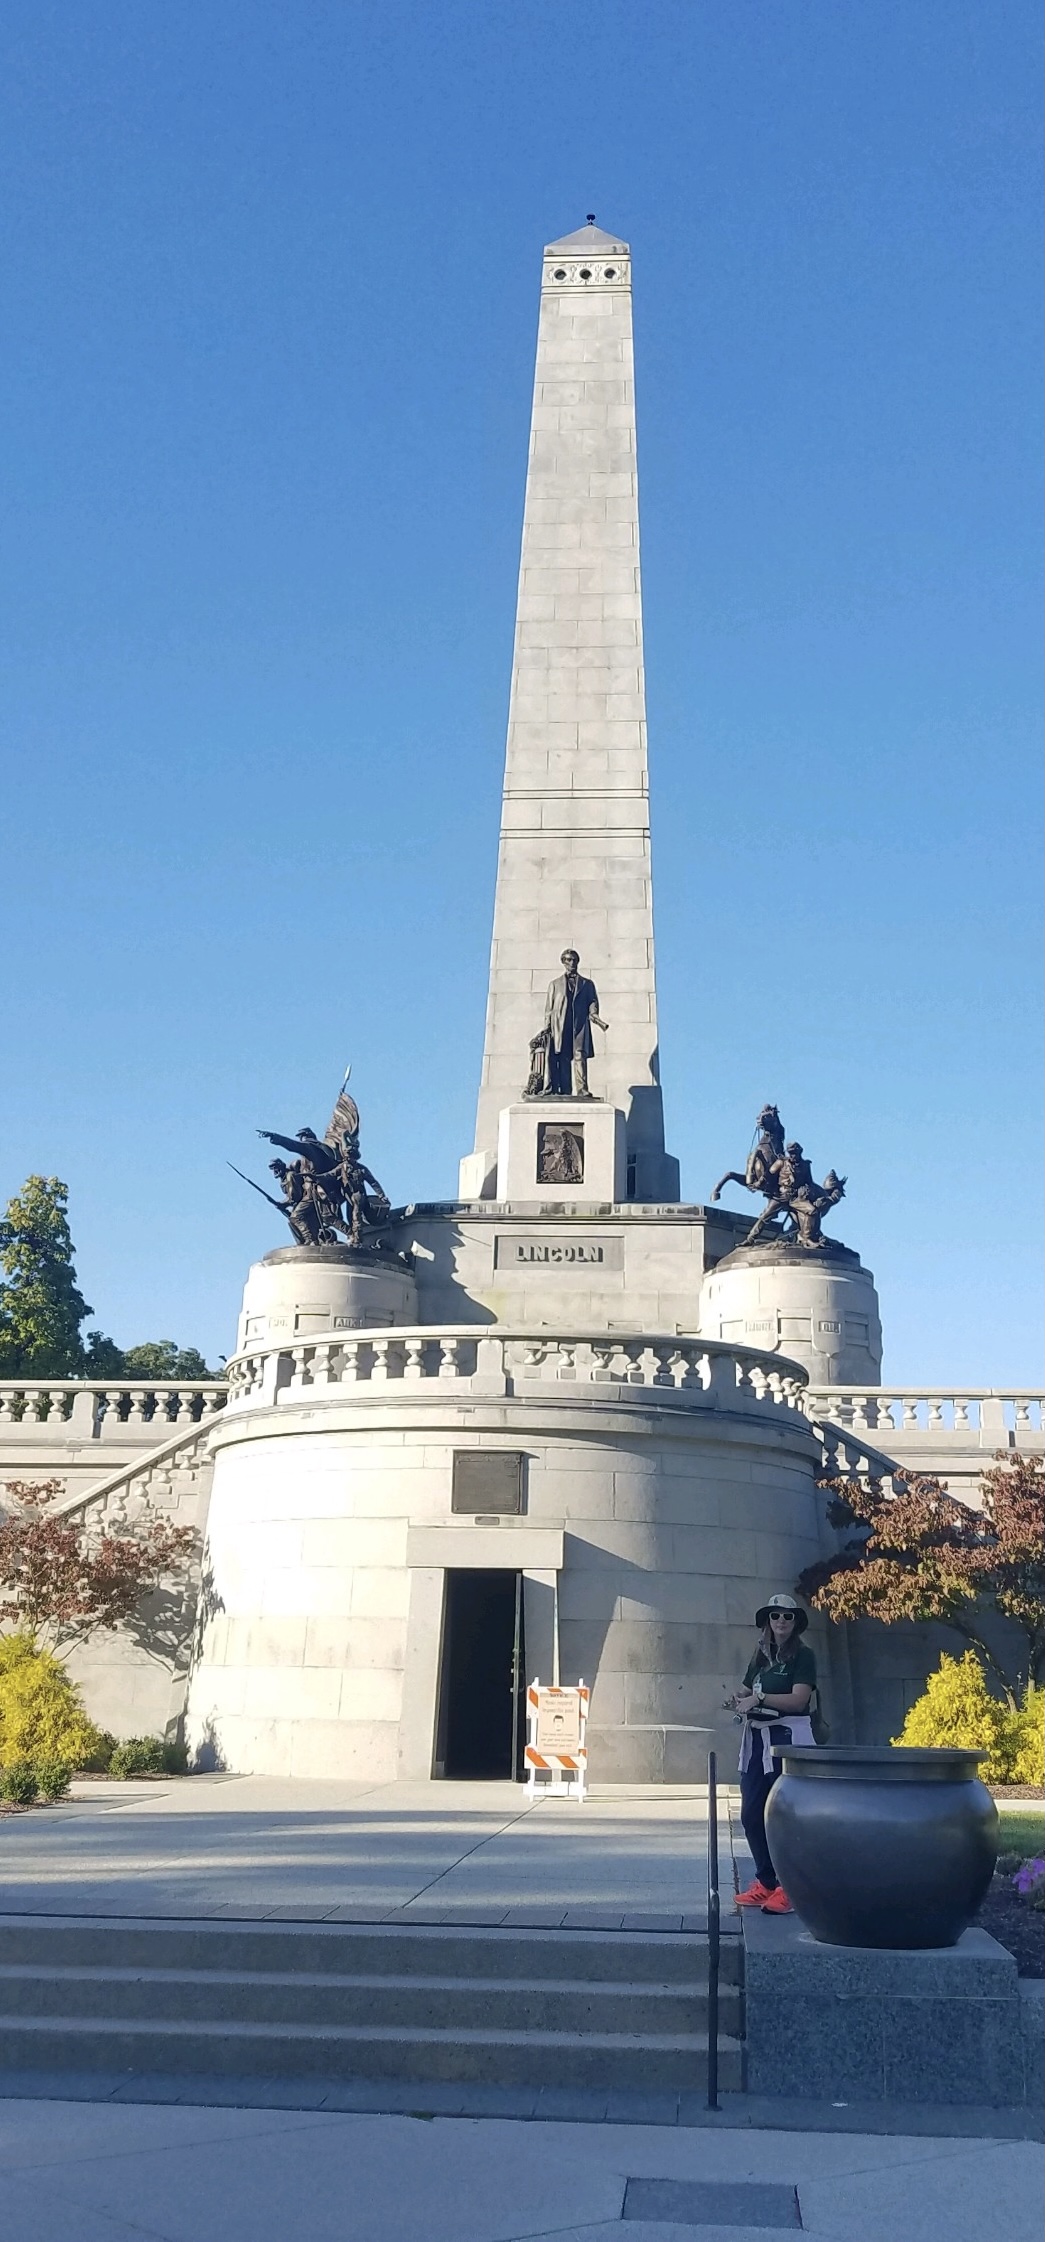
(1023, 1830)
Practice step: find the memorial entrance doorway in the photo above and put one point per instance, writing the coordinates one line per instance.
(482, 1680)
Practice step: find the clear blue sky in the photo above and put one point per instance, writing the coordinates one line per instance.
(270, 294)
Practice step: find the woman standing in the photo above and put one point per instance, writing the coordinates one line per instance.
(775, 1700)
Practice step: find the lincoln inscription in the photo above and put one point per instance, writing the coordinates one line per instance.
(537, 1255)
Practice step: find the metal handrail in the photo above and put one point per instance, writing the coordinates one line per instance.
(714, 1920)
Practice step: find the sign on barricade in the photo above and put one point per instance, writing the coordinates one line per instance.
(556, 1721)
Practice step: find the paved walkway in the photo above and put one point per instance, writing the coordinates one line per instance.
(245, 1845)
(81, 2161)
(96, 2173)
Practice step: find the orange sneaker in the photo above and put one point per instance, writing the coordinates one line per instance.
(755, 1895)
(777, 1903)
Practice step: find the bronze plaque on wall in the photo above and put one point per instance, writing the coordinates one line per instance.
(487, 1483)
(560, 1152)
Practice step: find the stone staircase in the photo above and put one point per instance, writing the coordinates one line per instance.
(373, 2002)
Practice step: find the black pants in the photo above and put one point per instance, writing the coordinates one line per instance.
(755, 1786)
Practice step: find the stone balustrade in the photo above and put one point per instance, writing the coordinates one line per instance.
(93, 1412)
(845, 1454)
(953, 1411)
(493, 1361)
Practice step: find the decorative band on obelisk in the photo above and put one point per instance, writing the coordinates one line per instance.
(559, 1053)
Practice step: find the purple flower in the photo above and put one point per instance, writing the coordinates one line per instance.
(1029, 1877)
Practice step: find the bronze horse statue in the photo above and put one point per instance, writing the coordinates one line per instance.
(783, 1175)
(759, 1174)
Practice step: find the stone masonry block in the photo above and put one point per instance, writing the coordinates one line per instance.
(321, 1591)
(877, 2024)
(267, 1642)
(354, 1542)
(355, 1643)
(688, 1698)
(613, 572)
(715, 1549)
(543, 577)
(380, 1594)
(344, 1750)
(687, 1598)
(282, 1693)
(552, 536)
(371, 1693)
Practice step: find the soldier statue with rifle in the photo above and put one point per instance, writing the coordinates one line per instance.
(327, 1191)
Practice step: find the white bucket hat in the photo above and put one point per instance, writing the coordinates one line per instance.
(782, 1603)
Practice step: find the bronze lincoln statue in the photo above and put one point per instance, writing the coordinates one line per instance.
(559, 1054)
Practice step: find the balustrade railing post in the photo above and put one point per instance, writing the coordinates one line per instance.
(993, 1417)
(449, 1362)
(83, 1417)
(382, 1372)
(489, 1378)
(413, 1361)
(723, 1379)
(276, 1372)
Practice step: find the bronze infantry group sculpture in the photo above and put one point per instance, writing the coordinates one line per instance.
(781, 1172)
(328, 1193)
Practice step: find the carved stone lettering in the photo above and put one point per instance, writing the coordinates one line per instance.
(536, 1256)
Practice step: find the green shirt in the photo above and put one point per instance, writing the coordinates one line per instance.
(781, 1677)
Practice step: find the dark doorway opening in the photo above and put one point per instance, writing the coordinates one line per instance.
(483, 1690)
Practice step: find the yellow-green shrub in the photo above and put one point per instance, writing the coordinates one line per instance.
(958, 1709)
(1027, 1732)
(41, 1711)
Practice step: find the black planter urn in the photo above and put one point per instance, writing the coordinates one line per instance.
(882, 1846)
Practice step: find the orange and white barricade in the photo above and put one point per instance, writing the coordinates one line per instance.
(556, 1750)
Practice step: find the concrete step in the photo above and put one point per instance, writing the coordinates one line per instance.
(584, 2059)
(262, 1997)
(99, 1942)
(364, 2001)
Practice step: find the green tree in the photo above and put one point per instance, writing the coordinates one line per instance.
(921, 1554)
(102, 1357)
(41, 1305)
(162, 1358)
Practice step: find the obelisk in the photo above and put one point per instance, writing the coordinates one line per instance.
(574, 859)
